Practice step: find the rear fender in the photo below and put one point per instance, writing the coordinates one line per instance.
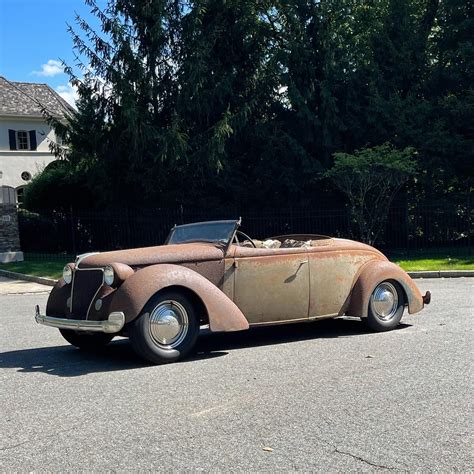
(134, 293)
(373, 273)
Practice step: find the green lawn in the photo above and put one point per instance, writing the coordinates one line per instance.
(437, 259)
(439, 263)
(49, 266)
(52, 266)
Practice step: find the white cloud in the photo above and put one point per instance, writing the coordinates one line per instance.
(50, 69)
(68, 93)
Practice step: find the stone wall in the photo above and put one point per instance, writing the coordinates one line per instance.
(9, 234)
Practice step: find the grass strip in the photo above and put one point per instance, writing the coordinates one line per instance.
(51, 266)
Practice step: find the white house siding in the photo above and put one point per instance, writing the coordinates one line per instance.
(14, 162)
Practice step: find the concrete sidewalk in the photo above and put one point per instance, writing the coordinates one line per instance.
(16, 287)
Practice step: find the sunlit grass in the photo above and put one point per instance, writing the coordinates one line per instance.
(451, 258)
(436, 264)
(51, 266)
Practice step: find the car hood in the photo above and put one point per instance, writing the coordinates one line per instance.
(193, 252)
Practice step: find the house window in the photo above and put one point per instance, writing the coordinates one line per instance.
(19, 194)
(7, 195)
(26, 176)
(22, 140)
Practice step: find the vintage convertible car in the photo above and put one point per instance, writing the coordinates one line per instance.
(212, 274)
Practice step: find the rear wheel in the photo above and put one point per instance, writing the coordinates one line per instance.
(166, 330)
(386, 306)
(86, 341)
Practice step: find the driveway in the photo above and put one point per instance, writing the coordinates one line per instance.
(326, 396)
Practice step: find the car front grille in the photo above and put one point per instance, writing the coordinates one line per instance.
(85, 285)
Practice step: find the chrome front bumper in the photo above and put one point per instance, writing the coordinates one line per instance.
(113, 324)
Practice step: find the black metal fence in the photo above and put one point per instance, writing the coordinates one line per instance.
(410, 229)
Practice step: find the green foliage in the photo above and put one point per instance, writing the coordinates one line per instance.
(198, 102)
(370, 178)
(60, 186)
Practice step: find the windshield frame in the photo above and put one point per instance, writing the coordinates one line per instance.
(226, 244)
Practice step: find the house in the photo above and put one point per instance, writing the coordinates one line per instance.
(25, 135)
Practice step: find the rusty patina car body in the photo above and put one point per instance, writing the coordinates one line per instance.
(160, 296)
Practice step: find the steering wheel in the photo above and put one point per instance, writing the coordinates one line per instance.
(239, 232)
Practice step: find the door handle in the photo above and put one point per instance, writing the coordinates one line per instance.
(300, 264)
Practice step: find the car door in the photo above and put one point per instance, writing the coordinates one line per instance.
(271, 285)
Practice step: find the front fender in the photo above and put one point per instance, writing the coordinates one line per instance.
(57, 301)
(373, 273)
(134, 293)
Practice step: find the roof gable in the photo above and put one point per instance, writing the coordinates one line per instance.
(28, 99)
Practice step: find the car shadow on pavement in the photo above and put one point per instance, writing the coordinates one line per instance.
(285, 333)
(67, 361)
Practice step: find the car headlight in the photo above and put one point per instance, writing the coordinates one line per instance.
(109, 275)
(67, 274)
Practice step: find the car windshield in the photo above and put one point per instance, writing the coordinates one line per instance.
(215, 231)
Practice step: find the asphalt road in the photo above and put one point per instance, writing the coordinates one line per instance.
(327, 396)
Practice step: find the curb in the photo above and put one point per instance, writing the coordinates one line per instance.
(21, 276)
(442, 274)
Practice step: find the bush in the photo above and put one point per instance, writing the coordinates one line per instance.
(370, 179)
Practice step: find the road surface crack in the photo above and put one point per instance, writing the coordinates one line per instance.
(345, 453)
(6, 448)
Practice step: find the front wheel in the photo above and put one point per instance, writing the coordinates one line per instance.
(86, 341)
(166, 330)
(386, 306)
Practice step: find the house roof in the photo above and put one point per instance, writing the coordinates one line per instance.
(28, 99)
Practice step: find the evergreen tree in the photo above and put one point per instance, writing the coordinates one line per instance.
(223, 102)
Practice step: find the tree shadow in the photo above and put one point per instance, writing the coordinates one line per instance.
(67, 361)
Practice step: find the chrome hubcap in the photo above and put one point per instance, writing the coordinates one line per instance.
(169, 324)
(384, 301)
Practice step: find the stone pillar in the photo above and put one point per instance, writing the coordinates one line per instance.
(9, 234)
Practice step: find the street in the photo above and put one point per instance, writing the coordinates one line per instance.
(327, 396)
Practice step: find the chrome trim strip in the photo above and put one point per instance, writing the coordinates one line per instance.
(275, 323)
(113, 324)
(299, 320)
(81, 257)
(96, 293)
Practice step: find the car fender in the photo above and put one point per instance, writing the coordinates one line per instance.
(57, 300)
(373, 273)
(131, 297)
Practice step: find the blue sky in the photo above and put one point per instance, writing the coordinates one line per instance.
(33, 38)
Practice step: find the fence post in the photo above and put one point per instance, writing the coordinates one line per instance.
(10, 250)
(129, 233)
(407, 229)
(469, 226)
(73, 233)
